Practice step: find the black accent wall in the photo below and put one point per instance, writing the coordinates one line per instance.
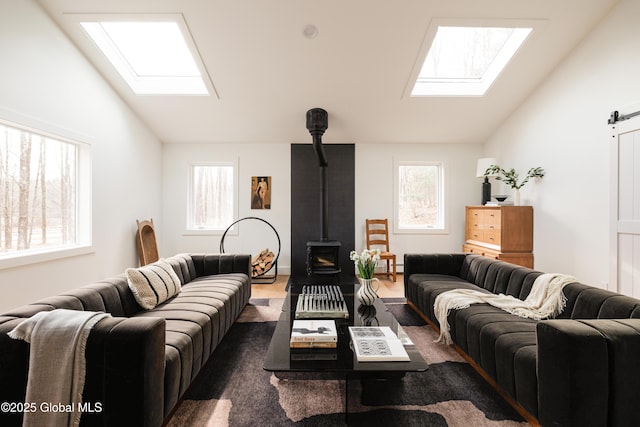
(305, 204)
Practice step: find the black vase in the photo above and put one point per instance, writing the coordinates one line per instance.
(486, 191)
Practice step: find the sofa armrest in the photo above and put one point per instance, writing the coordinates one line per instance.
(124, 382)
(449, 264)
(14, 362)
(588, 372)
(125, 371)
(208, 264)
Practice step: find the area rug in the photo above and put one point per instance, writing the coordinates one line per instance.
(234, 390)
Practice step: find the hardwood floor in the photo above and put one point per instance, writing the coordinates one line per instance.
(388, 289)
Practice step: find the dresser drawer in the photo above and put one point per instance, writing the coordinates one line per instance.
(479, 250)
(492, 218)
(524, 259)
(475, 219)
(476, 234)
(491, 236)
(474, 227)
(483, 225)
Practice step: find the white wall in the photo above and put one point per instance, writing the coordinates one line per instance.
(563, 128)
(259, 159)
(46, 80)
(374, 192)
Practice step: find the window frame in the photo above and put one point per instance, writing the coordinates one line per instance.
(146, 85)
(190, 230)
(443, 225)
(84, 228)
(421, 89)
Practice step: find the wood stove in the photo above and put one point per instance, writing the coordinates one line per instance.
(323, 256)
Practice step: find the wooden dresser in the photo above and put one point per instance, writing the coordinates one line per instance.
(500, 232)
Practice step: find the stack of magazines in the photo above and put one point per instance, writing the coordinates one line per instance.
(321, 302)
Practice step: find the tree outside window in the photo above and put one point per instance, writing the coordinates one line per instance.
(38, 191)
(419, 196)
(212, 204)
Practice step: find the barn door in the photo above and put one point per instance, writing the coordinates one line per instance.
(625, 207)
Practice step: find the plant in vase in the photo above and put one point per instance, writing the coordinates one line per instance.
(366, 264)
(510, 177)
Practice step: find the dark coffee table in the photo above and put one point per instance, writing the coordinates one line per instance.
(339, 363)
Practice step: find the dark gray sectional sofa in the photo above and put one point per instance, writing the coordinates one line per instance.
(139, 363)
(580, 369)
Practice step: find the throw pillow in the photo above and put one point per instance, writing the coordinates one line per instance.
(153, 284)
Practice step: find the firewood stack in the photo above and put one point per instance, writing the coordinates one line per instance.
(261, 263)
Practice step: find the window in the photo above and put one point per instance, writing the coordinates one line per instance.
(213, 201)
(466, 60)
(154, 56)
(43, 205)
(419, 194)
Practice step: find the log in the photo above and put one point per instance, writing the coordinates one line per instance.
(262, 262)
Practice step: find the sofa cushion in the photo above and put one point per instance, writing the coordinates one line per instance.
(70, 302)
(183, 267)
(426, 287)
(525, 371)
(506, 348)
(118, 298)
(589, 303)
(571, 292)
(197, 319)
(492, 321)
(491, 333)
(476, 271)
(153, 284)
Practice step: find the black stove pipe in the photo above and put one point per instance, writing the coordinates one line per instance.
(317, 123)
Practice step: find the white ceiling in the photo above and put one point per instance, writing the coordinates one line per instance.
(267, 75)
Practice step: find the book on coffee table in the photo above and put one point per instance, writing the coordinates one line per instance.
(313, 354)
(317, 333)
(377, 344)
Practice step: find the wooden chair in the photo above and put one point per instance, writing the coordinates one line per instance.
(377, 232)
(146, 242)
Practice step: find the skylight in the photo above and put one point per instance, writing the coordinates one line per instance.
(465, 61)
(153, 57)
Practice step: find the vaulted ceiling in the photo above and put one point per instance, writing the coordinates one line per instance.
(267, 74)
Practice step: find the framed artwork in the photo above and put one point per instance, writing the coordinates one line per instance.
(260, 192)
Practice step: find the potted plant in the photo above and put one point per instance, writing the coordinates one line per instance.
(510, 177)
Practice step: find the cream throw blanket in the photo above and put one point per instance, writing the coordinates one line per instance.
(56, 363)
(545, 300)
